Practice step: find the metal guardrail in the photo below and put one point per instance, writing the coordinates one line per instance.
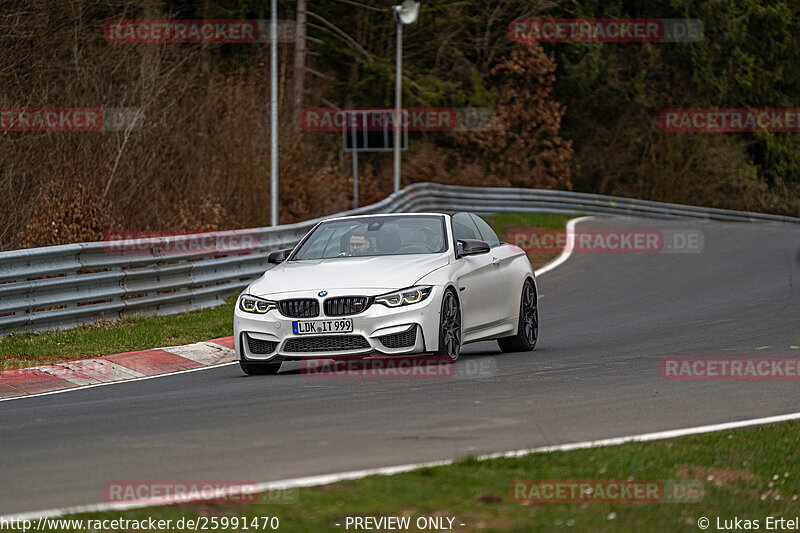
(74, 284)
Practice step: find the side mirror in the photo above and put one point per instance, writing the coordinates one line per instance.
(279, 256)
(472, 247)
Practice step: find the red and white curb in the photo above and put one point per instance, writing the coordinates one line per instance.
(116, 367)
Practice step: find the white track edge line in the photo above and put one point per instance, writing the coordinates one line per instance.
(313, 481)
(567, 251)
(118, 382)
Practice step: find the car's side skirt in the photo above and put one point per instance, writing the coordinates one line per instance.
(492, 330)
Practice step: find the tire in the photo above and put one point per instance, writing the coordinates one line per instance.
(260, 369)
(528, 327)
(450, 327)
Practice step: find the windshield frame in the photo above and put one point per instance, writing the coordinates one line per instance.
(442, 218)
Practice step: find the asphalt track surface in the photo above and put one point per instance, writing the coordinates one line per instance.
(606, 322)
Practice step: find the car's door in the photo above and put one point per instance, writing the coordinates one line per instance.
(502, 258)
(481, 289)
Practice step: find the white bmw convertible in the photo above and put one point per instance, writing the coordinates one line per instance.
(394, 284)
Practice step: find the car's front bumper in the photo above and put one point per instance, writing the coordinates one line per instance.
(378, 329)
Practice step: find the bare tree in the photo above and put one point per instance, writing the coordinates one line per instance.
(299, 60)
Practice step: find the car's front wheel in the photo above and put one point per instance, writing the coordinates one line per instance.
(450, 327)
(260, 369)
(528, 328)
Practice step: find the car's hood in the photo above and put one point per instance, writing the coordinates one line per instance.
(383, 273)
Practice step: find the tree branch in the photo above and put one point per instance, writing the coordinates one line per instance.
(333, 30)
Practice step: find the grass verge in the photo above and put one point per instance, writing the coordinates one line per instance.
(748, 473)
(505, 222)
(21, 350)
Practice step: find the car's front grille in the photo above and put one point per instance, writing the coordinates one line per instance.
(326, 343)
(299, 308)
(346, 305)
(404, 339)
(257, 346)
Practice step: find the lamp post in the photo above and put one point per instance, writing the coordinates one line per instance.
(405, 13)
(273, 114)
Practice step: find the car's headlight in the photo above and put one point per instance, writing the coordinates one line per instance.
(254, 304)
(404, 297)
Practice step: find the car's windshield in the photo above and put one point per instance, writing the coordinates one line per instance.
(371, 236)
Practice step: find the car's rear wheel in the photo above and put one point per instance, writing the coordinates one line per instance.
(528, 327)
(450, 327)
(260, 369)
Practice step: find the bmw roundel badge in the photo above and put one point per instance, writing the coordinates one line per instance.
(323, 293)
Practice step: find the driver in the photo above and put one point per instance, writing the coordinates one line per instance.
(359, 244)
(432, 239)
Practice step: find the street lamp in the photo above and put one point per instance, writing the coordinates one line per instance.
(273, 114)
(405, 13)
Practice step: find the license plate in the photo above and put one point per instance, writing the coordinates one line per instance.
(308, 327)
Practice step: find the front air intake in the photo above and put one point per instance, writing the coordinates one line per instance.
(327, 343)
(404, 339)
(260, 347)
